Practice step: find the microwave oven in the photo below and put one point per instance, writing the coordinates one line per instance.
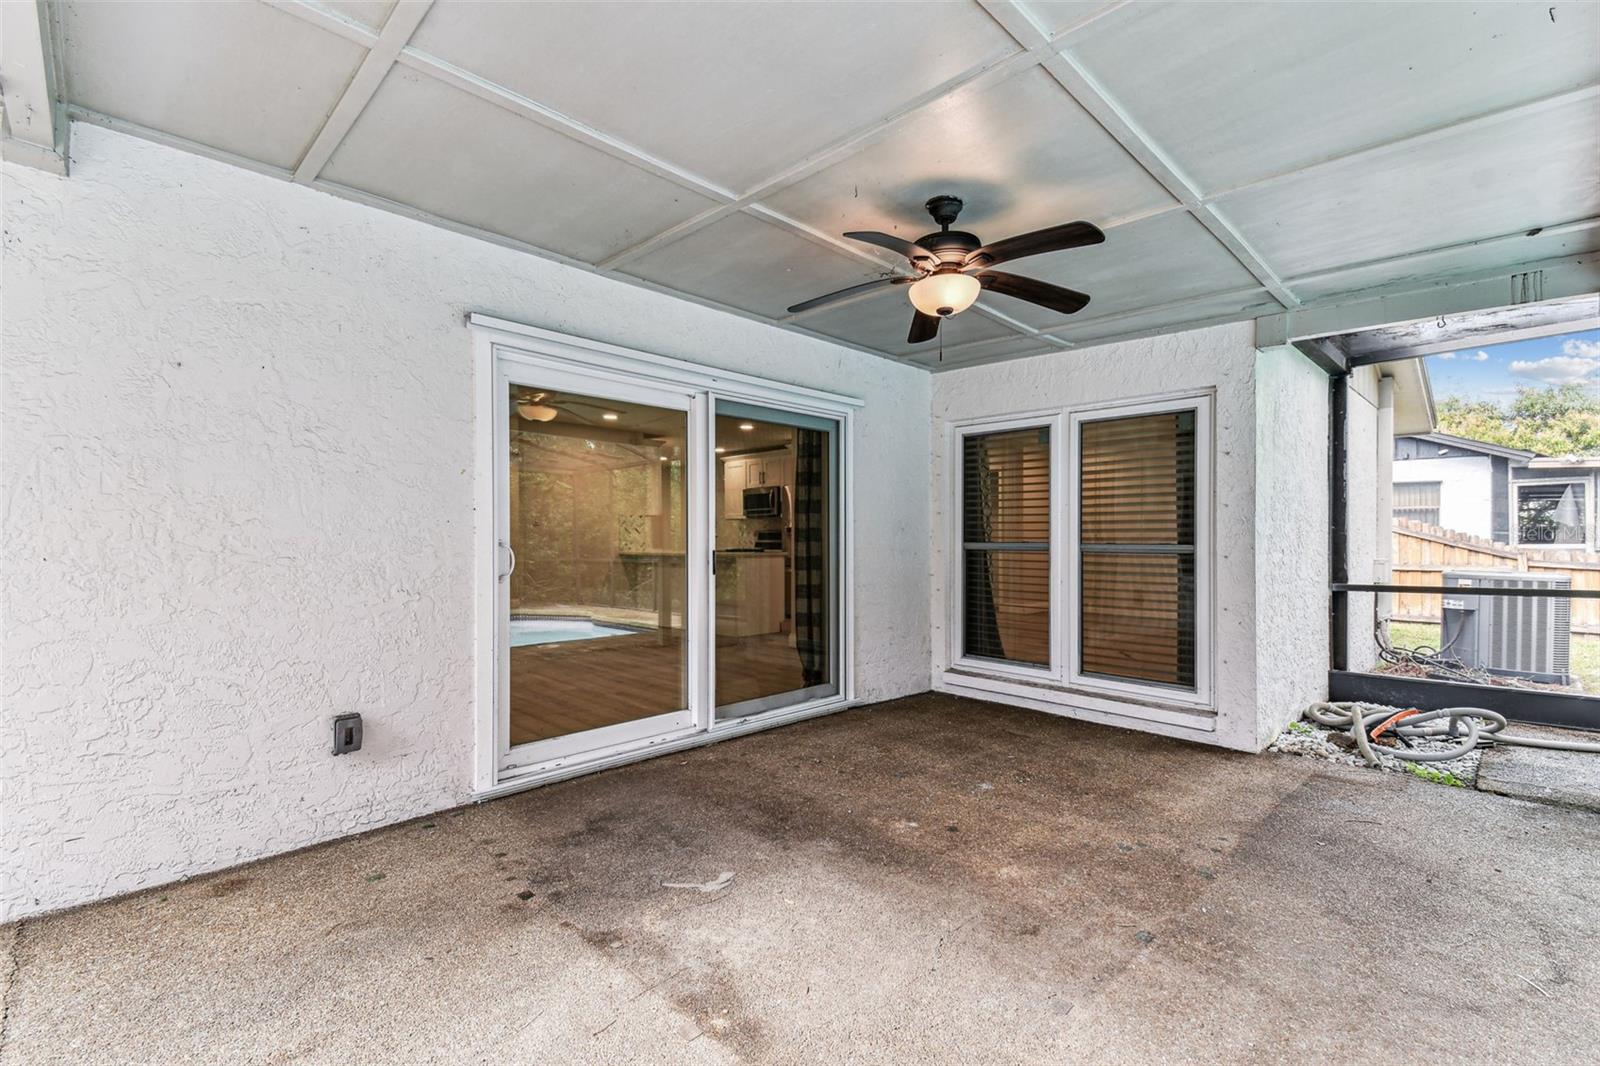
(763, 503)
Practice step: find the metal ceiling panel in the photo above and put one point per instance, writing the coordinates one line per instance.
(425, 144)
(586, 130)
(1490, 179)
(734, 92)
(1021, 154)
(1244, 90)
(1057, 16)
(216, 74)
(1226, 307)
(1488, 257)
(1013, 347)
(754, 265)
(369, 13)
(1155, 261)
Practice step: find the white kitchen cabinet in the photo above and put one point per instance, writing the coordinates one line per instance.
(765, 470)
(734, 475)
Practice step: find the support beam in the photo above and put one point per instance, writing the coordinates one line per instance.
(1575, 276)
(397, 30)
(33, 129)
(1327, 353)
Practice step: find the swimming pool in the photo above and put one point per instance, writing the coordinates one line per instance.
(526, 631)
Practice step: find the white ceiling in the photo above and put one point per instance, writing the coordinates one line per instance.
(1242, 158)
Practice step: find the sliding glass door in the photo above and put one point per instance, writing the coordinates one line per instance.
(667, 564)
(776, 559)
(596, 605)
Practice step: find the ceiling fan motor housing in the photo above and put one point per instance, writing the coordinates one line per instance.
(951, 246)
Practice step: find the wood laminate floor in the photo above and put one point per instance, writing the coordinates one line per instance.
(557, 689)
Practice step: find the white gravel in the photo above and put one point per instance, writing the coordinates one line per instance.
(1317, 742)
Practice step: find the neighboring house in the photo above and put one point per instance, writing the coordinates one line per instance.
(1456, 483)
(1509, 495)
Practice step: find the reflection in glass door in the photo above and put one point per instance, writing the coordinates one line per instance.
(775, 560)
(596, 599)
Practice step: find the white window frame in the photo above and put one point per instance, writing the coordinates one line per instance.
(1204, 562)
(1062, 687)
(587, 364)
(958, 584)
(1587, 482)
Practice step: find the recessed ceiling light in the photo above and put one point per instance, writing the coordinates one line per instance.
(666, 459)
(721, 450)
(747, 426)
(611, 416)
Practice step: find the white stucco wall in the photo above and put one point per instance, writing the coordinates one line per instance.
(1291, 538)
(1466, 490)
(1222, 358)
(237, 469)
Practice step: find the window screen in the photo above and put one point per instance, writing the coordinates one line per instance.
(1005, 532)
(1417, 500)
(1137, 548)
(1552, 514)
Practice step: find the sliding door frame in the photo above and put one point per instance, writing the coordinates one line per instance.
(565, 360)
(511, 369)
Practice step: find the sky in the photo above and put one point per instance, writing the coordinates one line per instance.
(1493, 372)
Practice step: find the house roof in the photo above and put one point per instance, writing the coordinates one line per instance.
(1413, 396)
(1552, 462)
(1518, 456)
(719, 152)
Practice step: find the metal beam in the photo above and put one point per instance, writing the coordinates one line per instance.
(397, 30)
(1326, 352)
(34, 127)
(1569, 276)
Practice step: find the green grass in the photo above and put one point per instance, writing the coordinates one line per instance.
(1585, 649)
(1437, 776)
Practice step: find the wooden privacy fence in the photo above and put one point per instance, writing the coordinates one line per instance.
(1423, 553)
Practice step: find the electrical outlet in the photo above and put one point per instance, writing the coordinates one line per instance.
(346, 734)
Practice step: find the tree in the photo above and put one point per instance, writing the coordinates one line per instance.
(1558, 420)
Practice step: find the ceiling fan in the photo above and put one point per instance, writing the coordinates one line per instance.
(953, 268)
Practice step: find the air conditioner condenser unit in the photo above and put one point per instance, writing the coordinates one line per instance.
(1519, 636)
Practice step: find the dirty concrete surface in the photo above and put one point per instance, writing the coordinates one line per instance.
(930, 880)
(1569, 778)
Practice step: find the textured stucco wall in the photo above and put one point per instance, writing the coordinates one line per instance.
(1220, 358)
(237, 474)
(1291, 538)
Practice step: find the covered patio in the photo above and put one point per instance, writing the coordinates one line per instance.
(932, 879)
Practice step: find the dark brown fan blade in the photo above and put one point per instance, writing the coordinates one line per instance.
(906, 248)
(1054, 239)
(923, 328)
(821, 301)
(1067, 301)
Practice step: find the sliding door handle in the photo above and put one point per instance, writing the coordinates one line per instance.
(511, 561)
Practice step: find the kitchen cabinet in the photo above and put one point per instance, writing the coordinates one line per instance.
(763, 470)
(750, 593)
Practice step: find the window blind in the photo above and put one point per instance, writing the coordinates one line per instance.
(1418, 500)
(1005, 531)
(1137, 548)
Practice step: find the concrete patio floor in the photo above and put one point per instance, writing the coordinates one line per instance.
(930, 880)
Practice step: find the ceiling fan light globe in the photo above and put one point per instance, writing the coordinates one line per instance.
(537, 412)
(943, 295)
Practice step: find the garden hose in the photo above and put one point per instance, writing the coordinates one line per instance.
(1470, 726)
